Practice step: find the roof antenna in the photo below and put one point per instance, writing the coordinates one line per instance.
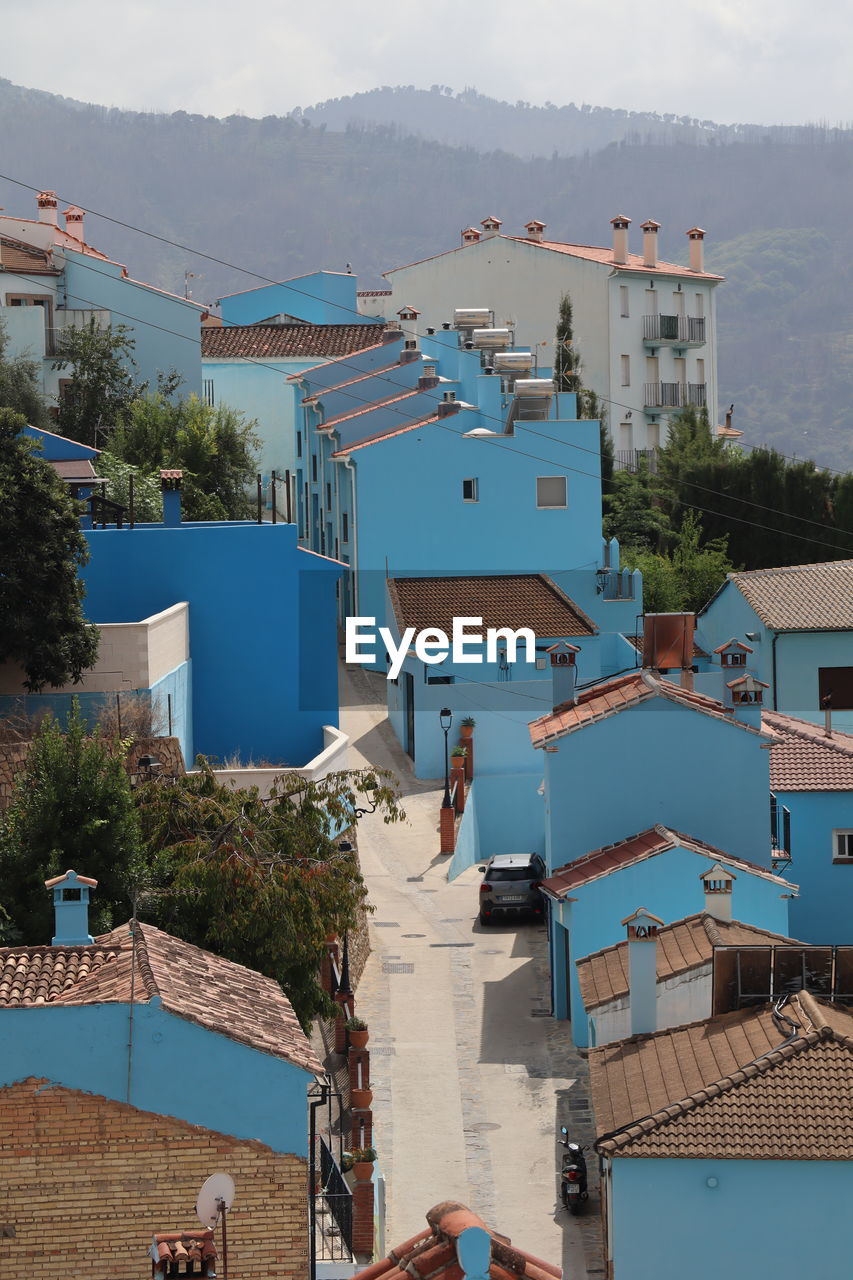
(214, 1200)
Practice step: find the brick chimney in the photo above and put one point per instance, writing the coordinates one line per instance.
(534, 230)
(170, 483)
(650, 230)
(620, 227)
(717, 882)
(696, 236)
(46, 201)
(564, 673)
(642, 929)
(183, 1253)
(470, 235)
(74, 221)
(71, 909)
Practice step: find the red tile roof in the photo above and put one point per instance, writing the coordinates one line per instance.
(432, 1254)
(284, 341)
(215, 993)
(605, 699)
(736, 1086)
(369, 408)
(817, 597)
(502, 600)
(350, 382)
(681, 946)
(17, 256)
(803, 758)
(389, 336)
(648, 844)
(388, 434)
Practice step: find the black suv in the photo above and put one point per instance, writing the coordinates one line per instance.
(511, 883)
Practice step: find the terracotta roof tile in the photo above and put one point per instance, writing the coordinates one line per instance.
(814, 596)
(351, 382)
(602, 700)
(284, 341)
(731, 1088)
(388, 434)
(173, 1251)
(803, 758)
(17, 256)
(681, 946)
(647, 844)
(369, 408)
(432, 1253)
(387, 336)
(502, 600)
(215, 993)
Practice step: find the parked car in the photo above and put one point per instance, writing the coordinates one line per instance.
(511, 885)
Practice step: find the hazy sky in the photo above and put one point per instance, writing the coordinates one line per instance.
(766, 61)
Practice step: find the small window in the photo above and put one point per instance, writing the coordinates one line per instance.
(842, 846)
(835, 688)
(345, 528)
(699, 305)
(313, 466)
(625, 363)
(470, 491)
(328, 496)
(299, 444)
(551, 491)
(207, 392)
(733, 658)
(623, 301)
(700, 371)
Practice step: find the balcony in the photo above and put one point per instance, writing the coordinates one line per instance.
(676, 331)
(674, 395)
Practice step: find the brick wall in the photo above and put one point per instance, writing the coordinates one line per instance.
(13, 757)
(87, 1182)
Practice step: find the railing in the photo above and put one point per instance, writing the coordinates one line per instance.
(674, 395)
(333, 1211)
(633, 459)
(678, 329)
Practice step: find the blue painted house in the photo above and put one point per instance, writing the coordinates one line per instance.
(320, 297)
(797, 622)
(157, 1063)
(704, 1130)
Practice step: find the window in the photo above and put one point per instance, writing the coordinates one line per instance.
(680, 369)
(345, 528)
(313, 466)
(780, 827)
(551, 491)
(653, 435)
(625, 365)
(678, 303)
(470, 490)
(842, 846)
(700, 371)
(207, 392)
(623, 300)
(733, 658)
(626, 436)
(299, 444)
(651, 302)
(328, 496)
(699, 305)
(835, 688)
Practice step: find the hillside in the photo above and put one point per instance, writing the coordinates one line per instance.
(280, 196)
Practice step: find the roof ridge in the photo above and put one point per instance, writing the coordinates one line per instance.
(709, 924)
(797, 728)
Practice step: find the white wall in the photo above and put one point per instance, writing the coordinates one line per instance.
(680, 999)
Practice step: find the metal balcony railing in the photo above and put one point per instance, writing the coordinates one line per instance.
(632, 459)
(680, 330)
(674, 395)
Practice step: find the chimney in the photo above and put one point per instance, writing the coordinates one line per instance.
(564, 673)
(491, 227)
(470, 235)
(446, 407)
(744, 699)
(170, 483)
(429, 378)
(650, 230)
(534, 230)
(696, 236)
(74, 221)
(717, 883)
(668, 642)
(46, 201)
(410, 351)
(183, 1253)
(642, 970)
(408, 313)
(620, 227)
(71, 909)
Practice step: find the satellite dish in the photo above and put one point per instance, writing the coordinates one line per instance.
(215, 1197)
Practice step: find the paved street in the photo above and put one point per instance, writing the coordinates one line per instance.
(471, 1076)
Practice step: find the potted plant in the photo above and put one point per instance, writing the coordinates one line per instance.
(467, 727)
(361, 1098)
(358, 1033)
(363, 1159)
(458, 755)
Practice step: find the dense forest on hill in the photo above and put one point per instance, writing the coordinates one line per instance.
(281, 196)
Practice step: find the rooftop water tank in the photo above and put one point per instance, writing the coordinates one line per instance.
(472, 317)
(514, 361)
(525, 387)
(492, 339)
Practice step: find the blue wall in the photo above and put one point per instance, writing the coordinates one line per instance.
(734, 1229)
(322, 297)
(503, 814)
(823, 913)
(262, 627)
(178, 1068)
(658, 762)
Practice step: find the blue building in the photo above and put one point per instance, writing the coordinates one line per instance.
(321, 297)
(51, 279)
(134, 1064)
(704, 1129)
(797, 624)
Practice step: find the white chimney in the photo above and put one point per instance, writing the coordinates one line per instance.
(491, 227)
(74, 221)
(696, 236)
(650, 230)
(470, 235)
(564, 673)
(620, 227)
(46, 201)
(744, 699)
(717, 883)
(534, 230)
(642, 970)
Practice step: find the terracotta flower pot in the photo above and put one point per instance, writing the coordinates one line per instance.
(363, 1170)
(361, 1098)
(358, 1039)
(466, 731)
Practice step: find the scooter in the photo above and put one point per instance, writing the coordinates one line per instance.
(573, 1175)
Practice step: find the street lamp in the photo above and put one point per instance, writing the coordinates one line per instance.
(445, 717)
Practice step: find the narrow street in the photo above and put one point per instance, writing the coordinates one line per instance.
(472, 1078)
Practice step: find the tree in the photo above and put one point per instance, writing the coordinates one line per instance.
(42, 548)
(71, 807)
(19, 385)
(632, 514)
(260, 881)
(686, 579)
(102, 382)
(215, 448)
(147, 494)
(567, 375)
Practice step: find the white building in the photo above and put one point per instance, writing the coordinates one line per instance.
(645, 329)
